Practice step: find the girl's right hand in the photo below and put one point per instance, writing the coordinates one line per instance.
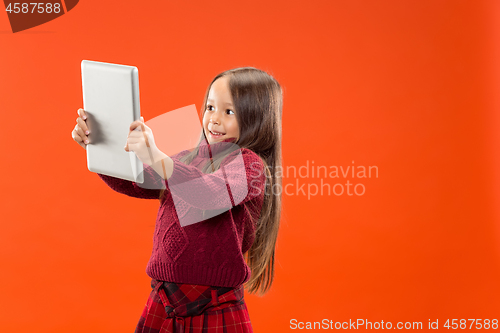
(81, 130)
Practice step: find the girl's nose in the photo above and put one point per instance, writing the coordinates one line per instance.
(214, 120)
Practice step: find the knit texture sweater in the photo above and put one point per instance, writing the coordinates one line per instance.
(186, 247)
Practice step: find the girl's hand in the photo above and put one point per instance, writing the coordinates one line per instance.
(140, 140)
(80, 132)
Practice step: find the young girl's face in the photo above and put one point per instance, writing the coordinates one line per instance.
(219, 118)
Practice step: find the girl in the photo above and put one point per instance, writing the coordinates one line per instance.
(200, 266)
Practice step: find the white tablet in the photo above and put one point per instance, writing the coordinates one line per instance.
(111, 102)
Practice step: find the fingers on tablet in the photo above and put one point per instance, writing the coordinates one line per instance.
(81, 134)
(136, 126)
(77, 136)
(83, 128)
(81, 113)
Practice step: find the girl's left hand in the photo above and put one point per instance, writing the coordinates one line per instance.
(140, 140)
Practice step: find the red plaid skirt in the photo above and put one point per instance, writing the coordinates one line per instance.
(190, 308)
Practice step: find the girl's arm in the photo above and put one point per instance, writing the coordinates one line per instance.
(150, 189)
(240, 178)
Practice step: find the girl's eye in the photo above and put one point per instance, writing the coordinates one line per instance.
(210, 106)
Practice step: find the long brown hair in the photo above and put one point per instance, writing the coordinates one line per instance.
(258, 103)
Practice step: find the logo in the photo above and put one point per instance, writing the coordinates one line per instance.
(26, 15)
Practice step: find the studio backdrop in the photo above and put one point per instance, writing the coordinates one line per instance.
(391, 164)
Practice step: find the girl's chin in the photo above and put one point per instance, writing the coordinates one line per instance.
(211, 140)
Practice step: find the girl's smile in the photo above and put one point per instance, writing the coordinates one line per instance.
(215, 134)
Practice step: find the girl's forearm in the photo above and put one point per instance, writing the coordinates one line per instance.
(164, 169)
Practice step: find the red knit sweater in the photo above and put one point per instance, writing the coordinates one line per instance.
(186, 247)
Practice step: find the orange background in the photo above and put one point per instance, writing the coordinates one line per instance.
(411, 87)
